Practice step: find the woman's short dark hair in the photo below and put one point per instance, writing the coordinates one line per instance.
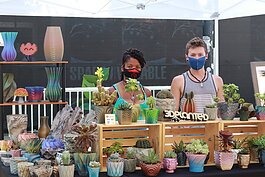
(133, 53)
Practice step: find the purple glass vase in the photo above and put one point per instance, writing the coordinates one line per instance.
(9, 52)
(35, 93)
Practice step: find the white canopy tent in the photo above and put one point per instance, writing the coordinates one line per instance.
(151, 9)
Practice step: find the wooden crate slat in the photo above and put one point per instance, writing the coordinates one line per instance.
(177, 131)
(241, 129)
(185, 139)
(124, 142)
(242, 136)
(125, 133)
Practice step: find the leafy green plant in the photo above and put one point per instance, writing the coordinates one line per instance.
(115, 158)
(124, 106)
(130, 153)
(252, 142)
(244, 151)
(66, 158)
(231, 94)
(116, 147)
(151, 158)
(214, 105)
(143, 144)
(260, 142)
(151, 102)
(197, 146)
(34, 146)
(170, 154)
(225, 140)
(247, 107)
(239, 144)
(261, 97)
(177, 148)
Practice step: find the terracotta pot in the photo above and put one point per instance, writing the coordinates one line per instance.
(170, 164)
(224, 160)
(243, 160)
(151, 169)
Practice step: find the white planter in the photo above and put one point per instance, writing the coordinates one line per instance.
(66, 171)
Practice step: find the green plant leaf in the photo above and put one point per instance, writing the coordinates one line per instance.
(106, 73)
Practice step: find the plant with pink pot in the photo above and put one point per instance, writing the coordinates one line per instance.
(170, 161)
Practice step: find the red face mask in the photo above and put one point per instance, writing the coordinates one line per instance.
(132, 73)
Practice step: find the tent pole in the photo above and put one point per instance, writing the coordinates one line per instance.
(216, 47)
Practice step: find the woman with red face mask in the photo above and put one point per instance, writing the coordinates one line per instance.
(132, 64)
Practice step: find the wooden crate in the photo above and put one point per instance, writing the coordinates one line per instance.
(186, 131)
(128, 135)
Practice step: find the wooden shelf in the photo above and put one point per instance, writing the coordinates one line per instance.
(32, 62)
(31, 103)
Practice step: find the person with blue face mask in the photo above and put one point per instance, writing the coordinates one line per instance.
(203, 84)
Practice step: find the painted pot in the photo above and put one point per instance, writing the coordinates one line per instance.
(129, 165)
(196, 162)
(170, 164)
(260, 112)
(224, 160)
(151, 169)
(93, 172)
(23, 169)
(115, 169)
(243, 160)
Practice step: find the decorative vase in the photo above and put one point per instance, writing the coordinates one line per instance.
(151, 169)
(260, 112)
(9, 52)
(23, 169)
(124, 116)
(9, 87)
(182, 159)
(224, 160)
(53, 44)
(151, 115)
(35, 93)
(196, 162)
(14, 162)
(93, 172)
(101, 111)
(227, 111)
(115, 169)
(211, 112)
(44, 129)
(129, 165)
(189, 103)
(81, 162)
(170, 164)
(243, 160)
(53, 90)
(16, 124)
(66, 170)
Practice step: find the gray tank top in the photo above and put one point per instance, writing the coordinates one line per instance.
(203, 93)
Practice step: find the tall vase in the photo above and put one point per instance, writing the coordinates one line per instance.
(53, 44)
(16, 124)
(53, 90)
(44, 129)
(9, 86)
(9, 52)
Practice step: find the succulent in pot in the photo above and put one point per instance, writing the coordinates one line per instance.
(130, 160)
(142, 147)
(93, 169)
(151, 164)
(246, 111)
(243, 158)
(237, 146)
(116, 147)
(151, 113)
(115, 165)
(170, 161)
(66, 169)
(179, 149)
(260, 109)
(211, 109)
(124, 113)
(33, 150)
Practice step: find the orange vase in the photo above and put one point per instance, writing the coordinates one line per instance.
(44, 129)
(189, 105)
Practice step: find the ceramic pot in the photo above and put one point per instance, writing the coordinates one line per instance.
(101, 111)
(115, 169)
(227, 111)
(93, 172)
(170, 164)
(243, 160)
(224, 160)
(66, 171)
(16, 124)
(44, 129)
(124, 116)
(129, 165)
(196, 162)
(151, 169)
(23, 169)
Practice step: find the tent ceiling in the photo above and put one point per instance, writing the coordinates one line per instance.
(156, 9)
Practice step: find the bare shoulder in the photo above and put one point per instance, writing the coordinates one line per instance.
(218, 80)
(177, 81)
(147, 92)
(111, 89)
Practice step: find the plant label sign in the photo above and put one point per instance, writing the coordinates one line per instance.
(110, 119)
(176, 116)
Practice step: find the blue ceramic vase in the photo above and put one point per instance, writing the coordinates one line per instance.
(9, 52)
(53, 90)
(93, 172)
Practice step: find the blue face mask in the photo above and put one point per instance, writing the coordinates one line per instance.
(196, 64)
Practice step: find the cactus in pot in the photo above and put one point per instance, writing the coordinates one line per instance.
(115, 165)
(66, 169)
(170, 161)
(164, 101)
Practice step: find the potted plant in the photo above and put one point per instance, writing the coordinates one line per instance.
(228, 109)
(33, 150)
(224, 158)
(180, 149)
(116, 147)
(243, 158)
(65, 168)
(93, 169)
(151, 113)
(85, 146)
(260, 143)
(115, 165)
(130, 160)
(15, 151)
(260, 109)
(142, 147)
(211, 109)
(124, 113)
(237, 146)
(170, 161)
(253, 148)
(196, 153)
(165, 101)
(102, 99)
(246, 111)
(150, 164)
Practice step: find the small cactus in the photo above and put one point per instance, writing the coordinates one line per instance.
(66, 158)
(125, 106)
(115, 158)
(170, 154)
(143, 144)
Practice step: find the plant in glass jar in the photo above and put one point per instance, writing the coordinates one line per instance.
(151, 113)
